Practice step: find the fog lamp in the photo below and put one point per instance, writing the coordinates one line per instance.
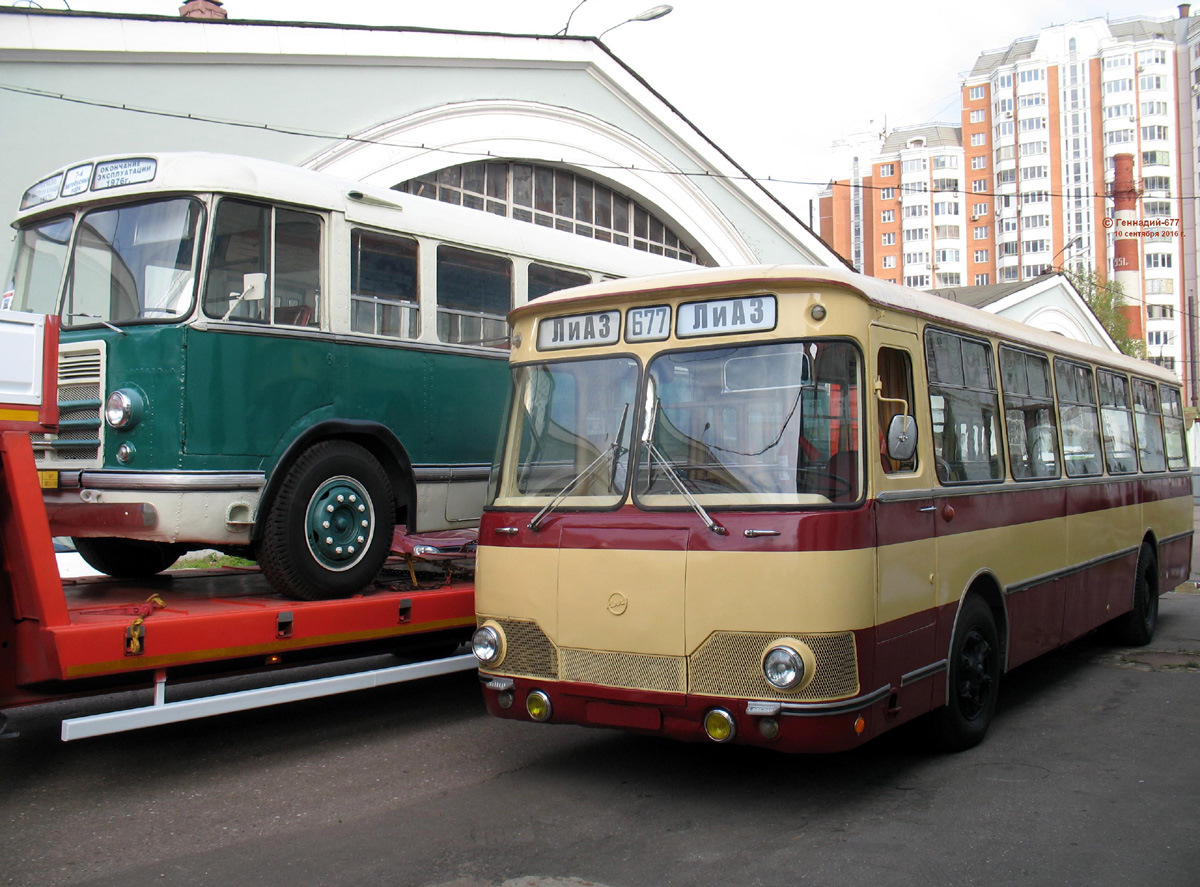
(504, 699)
(537, 704)
(768, 728)
(719, 725)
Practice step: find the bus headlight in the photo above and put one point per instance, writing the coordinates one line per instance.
(123, 409)
(789, 664)
(488, 643)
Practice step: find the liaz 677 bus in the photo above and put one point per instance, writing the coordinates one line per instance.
(795, 507)
(266, 359)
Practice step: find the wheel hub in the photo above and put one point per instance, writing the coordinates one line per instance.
(339, 523)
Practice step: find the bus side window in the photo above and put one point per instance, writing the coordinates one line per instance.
(965, 406)
(1116, 424)
(297, 268)
(1175, 439)
(1029, 414)
(1080, 425)
(241, 237)
(895, 376)
(474, 295)
(383, 285)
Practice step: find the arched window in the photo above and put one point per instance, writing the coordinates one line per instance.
(553, 198)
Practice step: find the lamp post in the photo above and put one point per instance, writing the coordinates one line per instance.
(648, 16)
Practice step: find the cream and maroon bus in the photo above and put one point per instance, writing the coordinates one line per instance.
(796, 507)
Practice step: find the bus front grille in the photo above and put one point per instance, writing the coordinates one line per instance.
(729, 663)
(630, 671)
(530, 653)
(77, 443)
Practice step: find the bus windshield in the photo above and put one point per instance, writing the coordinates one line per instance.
(763, 424)
(135, 262)
(38, 264)
(569, 433)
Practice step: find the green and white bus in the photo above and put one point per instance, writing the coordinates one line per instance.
(260, 358)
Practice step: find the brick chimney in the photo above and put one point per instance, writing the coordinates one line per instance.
(202, 9)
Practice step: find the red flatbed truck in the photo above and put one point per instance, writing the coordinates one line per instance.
(61, 638)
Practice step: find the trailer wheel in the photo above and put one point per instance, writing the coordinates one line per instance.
(974, 679)
(128, 558)
(329, 529)
(1136, 628)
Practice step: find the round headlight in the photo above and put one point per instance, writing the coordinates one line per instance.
(783, 667)
(488, 644)
(123, 408)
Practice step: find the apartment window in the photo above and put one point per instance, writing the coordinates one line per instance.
(1151, 81)
(945, 184)
(1028, 124)
(1156, 158)
(1157, 208)
(1150, 109)
(947, 232)
(1160, 286)
(911, 234)
(1037, 221)
(1006, 152)
(979, 209)
(887, 169)
(916, 210)
(915, 165)
(1007, 226)
(978, 138)
(1161, 133)
(1004, 129)
(983, 279)
(1118, 61)
(1009, 249)
(1004, 81)
(917, 281)
(1004, 106)
(1160, 337)
(1031, 76)
(1160, 312)
(1112, 87)
(946, 255)
(977, 93)
(949, 278)
(888, 238)
(1035, 197)
(981, 255)
(1028, 148)
(979, 186)
(1156, 183)
(979, 162)
(1006, 177)
(916, 258)
(1118, 137)
(980, 232)
(1010, 273)
(978, 115)
(914, 188)
(1114, 111)
(1031, 271)
(1153, 57)
(887, 194)
(1035, 172)
(888, 215)
(1033, 100)
(1159, 260)
(946, 208)
(945, 161)
(1036, 246)
(889, 261)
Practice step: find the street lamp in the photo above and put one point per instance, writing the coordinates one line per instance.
(648, 16)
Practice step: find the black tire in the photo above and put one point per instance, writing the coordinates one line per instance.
(1136, 628)
(973, 681)
(310, 558)
(128, 558)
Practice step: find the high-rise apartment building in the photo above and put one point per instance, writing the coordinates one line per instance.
(1023, 185)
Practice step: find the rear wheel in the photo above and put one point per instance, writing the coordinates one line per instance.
(974, 679)
(128, 558)
(329, 529)
(1136, 628)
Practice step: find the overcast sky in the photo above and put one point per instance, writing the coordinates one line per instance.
(776, 83)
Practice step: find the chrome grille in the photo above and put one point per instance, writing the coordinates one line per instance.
(730, 664)
(80, 376)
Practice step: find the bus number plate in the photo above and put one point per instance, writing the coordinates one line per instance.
(48, 480)
(648, 324)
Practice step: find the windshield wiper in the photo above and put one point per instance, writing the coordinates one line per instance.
(97, 317)
(562, 494)
(673, 475)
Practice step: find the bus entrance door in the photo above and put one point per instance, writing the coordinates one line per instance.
(906, 553)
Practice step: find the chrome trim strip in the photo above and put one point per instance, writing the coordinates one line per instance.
(1027, 584)
(430, 474)
(924, 672)
(492, 683)
(1016, 486)
(844, 706)
(173, 481)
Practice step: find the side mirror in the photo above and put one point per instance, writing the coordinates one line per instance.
(254, 286)
(902, 438)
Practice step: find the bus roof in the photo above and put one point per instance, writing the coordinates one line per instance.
(888, 296)
(115, 178)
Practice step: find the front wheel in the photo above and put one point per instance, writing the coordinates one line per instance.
(329, 529)
(128, 558)
(974, 679)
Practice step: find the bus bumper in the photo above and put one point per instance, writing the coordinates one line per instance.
(789, 727)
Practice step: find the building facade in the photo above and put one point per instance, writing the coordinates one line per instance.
(1043, 122)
